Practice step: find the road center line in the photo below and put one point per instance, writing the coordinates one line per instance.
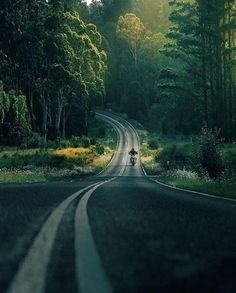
(31, 275)
(91, 277)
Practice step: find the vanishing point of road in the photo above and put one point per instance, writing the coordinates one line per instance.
(119, 231)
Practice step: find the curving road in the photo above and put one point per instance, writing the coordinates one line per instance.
(116, 232)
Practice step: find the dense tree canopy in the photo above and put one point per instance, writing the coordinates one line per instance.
(171, 65)
(55, 59)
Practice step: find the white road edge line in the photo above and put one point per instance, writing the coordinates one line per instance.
(117, 144)
(144, 171)
(115, 122)
(31, 275)
(192, 191)
(91, 277)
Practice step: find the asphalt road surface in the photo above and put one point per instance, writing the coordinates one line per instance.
(115, 232)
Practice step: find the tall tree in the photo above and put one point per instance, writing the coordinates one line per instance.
(131, 30)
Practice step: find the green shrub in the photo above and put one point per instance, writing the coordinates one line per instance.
(75, 141)
(34, 140)
(153, 144)
(85, 142)
(100, 149)
(229, 156)
(78, 161)
(207, 155)
(173, 156)
(65, 143)
(55, 161)
(93, 141)
(102, 131)
(52, 144)
(17, 135)
(5, 161)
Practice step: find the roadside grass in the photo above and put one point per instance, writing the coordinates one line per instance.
(36, 175)
(218, 187)
(20, 177)
(177, 172)
(68, 160)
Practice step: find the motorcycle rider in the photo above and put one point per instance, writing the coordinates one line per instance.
(132, 154)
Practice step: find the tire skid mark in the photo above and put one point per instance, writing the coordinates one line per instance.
(31, 275)
(91, 277)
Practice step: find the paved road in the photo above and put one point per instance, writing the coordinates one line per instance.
(117, 232)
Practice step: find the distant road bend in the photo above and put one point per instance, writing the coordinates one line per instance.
(122, 232)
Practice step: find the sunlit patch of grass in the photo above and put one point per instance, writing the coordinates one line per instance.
(147, 160)
(102, 160)
(72, 152)
(59, 162)
(48, 165)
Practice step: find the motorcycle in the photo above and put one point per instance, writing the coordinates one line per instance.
(133, 160)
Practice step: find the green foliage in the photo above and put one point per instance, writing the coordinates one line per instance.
(93, 140)
(201, 67)
(131, 29)
(173, 156)
(154, 14)
(33, 141)
(207, 154)
(85, 142)
(228, 154)
(75, 141)
(102, 131)
(18, 108)
(14, 122)
(4, 103)
(100, 148)
(55, 161)
(59, 65)
(217, 187)
(172, 74)
(153, 144)
(64, 143)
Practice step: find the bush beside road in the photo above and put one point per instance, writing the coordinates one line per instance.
(59, 160)
(176, 162)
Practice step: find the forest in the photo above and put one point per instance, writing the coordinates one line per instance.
(168, 64)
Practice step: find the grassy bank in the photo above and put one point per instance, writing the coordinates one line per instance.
(171, 161)
(60, 160)
(219, 187)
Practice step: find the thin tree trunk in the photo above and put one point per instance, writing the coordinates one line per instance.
(230, 77)
(64, 124)
(59, 111)
(45, 115)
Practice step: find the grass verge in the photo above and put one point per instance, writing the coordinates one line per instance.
(170, 160)
(218, 187)
(68, 160)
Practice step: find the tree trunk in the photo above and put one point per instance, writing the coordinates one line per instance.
(45, 115)
(59, 111)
